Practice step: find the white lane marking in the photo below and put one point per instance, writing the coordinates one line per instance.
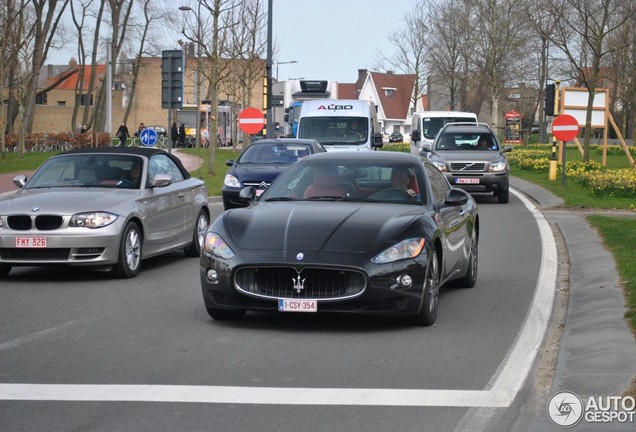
(253, 395)
(513, 371)
(508, 379)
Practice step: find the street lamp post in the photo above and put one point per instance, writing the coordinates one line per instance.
(280, 63)
(197, 84)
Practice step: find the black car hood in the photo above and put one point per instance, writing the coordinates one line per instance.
(320, 226)
(250, 173)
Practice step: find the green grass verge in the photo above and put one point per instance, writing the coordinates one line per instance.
(214, 183)
(619, 234)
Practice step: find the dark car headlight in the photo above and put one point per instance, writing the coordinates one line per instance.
(215, 245)
(92, 220)
(231, 181)
(409, 248)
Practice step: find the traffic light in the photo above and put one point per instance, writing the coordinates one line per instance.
(549, 99)
(171, 79)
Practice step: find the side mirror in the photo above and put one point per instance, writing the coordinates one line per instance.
(507, 149)
(161, 180)
(248, 194)
(425, 148)
(456, 197)
(377, 140)
(415, 136)
(19, 181)
(229, 162)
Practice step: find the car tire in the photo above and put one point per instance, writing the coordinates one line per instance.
(503, 197)
(225, 314)
(4, 270)
(130, 247)
(198, 236)
(470, 278)
(430, 292)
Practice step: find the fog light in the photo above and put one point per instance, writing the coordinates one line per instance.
(212, 276)
(405, 281)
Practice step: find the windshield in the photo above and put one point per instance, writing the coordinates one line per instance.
(466, 141)
(354, 181)
(432, 125)
(335, 130)
(273, 153)
(112, 171)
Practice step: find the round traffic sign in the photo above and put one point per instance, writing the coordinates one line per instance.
(251, 120)
(148, 137)
(565, 127)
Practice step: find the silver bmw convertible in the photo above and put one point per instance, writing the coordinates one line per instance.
(106, 208)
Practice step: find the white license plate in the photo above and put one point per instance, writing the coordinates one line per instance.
(289, 305)
(30, 242)
(467, 181)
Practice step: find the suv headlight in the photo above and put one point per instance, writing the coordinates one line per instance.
(439, 165)
(231, 181)
(497, 167)
(92, 220)
(409, 248)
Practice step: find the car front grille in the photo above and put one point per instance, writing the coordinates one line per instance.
(35, 255)
(40, 222)
(468, 166)
(307, 283)
(258, 184)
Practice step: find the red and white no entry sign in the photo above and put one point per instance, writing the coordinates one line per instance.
(251, 120)
(565, 127)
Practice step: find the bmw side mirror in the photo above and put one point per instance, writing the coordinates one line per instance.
(19, 181)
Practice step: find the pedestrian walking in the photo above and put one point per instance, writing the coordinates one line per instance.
(174, 134)
(122, 134)
(181, 135)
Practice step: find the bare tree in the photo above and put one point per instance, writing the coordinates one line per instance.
(582, 33)
(411, 45)
(497, 37)
(448, 53)
(47, 17)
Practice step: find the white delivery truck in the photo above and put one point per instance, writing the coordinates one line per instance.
(340, 124)
(426, 124)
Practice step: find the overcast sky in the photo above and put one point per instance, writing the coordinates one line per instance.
(329, 39)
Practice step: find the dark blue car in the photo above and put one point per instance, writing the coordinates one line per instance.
(260, 163)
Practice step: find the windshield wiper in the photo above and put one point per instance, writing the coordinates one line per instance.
(326, 197)
(283, 198)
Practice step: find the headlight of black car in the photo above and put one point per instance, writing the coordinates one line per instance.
(215, 245)
(409, 248)
(92, 220)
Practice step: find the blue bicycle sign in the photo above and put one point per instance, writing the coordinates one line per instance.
(148, 137)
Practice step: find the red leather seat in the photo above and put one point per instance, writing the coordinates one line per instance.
(324, 184)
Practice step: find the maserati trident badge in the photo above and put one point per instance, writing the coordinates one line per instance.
(299, 284)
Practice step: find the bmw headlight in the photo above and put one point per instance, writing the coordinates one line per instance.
(216, 246)
(92, 220)
(231, 181)
(497, 167)
(409, 248)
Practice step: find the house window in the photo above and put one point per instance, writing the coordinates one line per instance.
(41, 98)
(389, 91)
(61, 103)
(85, 101)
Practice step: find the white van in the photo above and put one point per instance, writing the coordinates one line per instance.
(426, 124)
(340, 124)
